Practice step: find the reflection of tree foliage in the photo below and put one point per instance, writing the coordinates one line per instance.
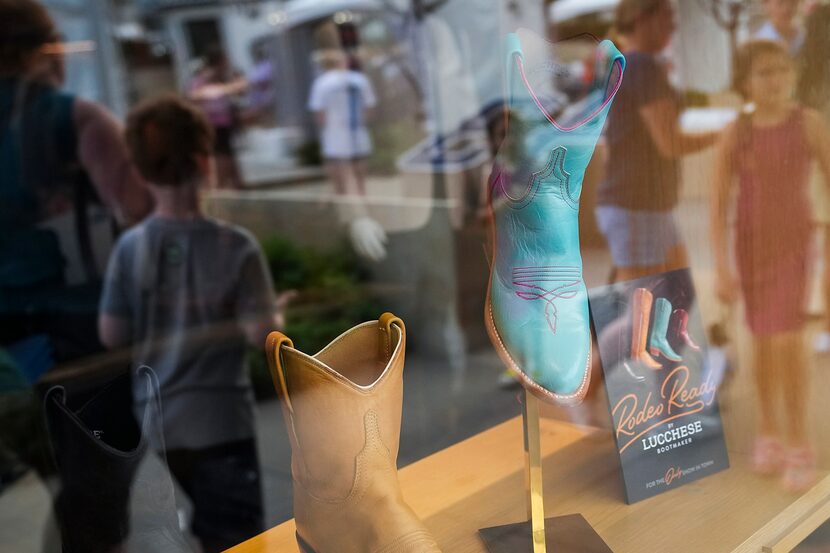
(333, 294)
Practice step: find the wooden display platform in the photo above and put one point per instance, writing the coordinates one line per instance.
(479, 483)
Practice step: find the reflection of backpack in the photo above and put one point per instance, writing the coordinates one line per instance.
(40, 177)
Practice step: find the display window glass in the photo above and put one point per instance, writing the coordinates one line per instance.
(380, 276)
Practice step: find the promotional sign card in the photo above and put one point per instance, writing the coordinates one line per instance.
(663, 396)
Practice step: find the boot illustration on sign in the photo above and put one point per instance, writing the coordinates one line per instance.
(343, 407)
(659, 343)
(115, 493)
(641, 302)
(680, 320)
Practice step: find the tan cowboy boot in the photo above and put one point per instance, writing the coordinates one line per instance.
(342, 407)
(641, 309)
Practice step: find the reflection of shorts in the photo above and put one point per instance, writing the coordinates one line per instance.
(352, 159)
(638, 238)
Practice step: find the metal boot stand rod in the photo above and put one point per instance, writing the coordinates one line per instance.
(561, 534)
(533, 472)
(511, 538)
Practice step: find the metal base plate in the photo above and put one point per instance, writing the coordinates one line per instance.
(567, 534)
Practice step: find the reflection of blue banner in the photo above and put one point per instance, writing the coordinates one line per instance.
(156, 5)
(663, 397)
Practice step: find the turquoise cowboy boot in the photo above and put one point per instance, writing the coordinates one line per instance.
(658, 343)
(537, 308)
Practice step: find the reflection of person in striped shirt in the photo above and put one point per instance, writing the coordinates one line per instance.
(340, 99)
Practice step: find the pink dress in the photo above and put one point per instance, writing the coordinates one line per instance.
(774, 228)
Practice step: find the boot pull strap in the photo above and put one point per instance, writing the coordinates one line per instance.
(273, 349)
(385, 323)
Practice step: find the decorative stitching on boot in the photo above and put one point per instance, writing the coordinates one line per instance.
(412, 542)
(373, 444)
(555, 164)
(565, 398)
(530, 277)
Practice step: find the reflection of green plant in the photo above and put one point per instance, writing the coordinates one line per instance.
(332, 296)
(695, 99)
(309, 153)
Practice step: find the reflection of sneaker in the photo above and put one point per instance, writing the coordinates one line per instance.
(799, 470)
(767, 456)
(822, 342)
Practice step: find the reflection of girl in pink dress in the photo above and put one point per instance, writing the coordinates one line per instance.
(770, 152)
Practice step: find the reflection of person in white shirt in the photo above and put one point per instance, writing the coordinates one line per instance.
(340, 99)
(781, 24)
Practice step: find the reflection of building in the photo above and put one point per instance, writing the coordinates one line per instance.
(286, 34)
(97, 74)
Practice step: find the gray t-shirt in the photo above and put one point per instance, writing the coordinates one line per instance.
(184, 288)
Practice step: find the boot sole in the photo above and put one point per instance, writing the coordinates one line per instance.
(537, 390)
(490, 324)
(304, 547)
(657, 353)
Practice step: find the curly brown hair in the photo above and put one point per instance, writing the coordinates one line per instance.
(25, 26)
(166, 136)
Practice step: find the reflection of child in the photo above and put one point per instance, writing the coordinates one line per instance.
(770, 151)
(187, 292)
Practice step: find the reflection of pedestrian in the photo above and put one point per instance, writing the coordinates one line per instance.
(187, 293)
(340, 99)
(261, 92)
(814, 91)
(781, 24)
(772, 146)
(215, 88)
(62, 163)
(637, 199)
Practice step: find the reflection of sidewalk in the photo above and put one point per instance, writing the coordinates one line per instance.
(25, 509)
(266, 157)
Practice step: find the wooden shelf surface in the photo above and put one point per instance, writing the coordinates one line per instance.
(479, 483)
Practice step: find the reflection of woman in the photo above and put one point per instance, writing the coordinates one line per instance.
(770, 152)
(214, 89)
(814, 92)
(645, 144)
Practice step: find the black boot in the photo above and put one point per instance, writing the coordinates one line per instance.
(116, 495)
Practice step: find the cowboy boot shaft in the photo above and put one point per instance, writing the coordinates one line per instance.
(641, 302)
(641, 316)
(116, 494)
(97, 457)
(680, 323)
(343, 411)
(330, 408)
(658, 343)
